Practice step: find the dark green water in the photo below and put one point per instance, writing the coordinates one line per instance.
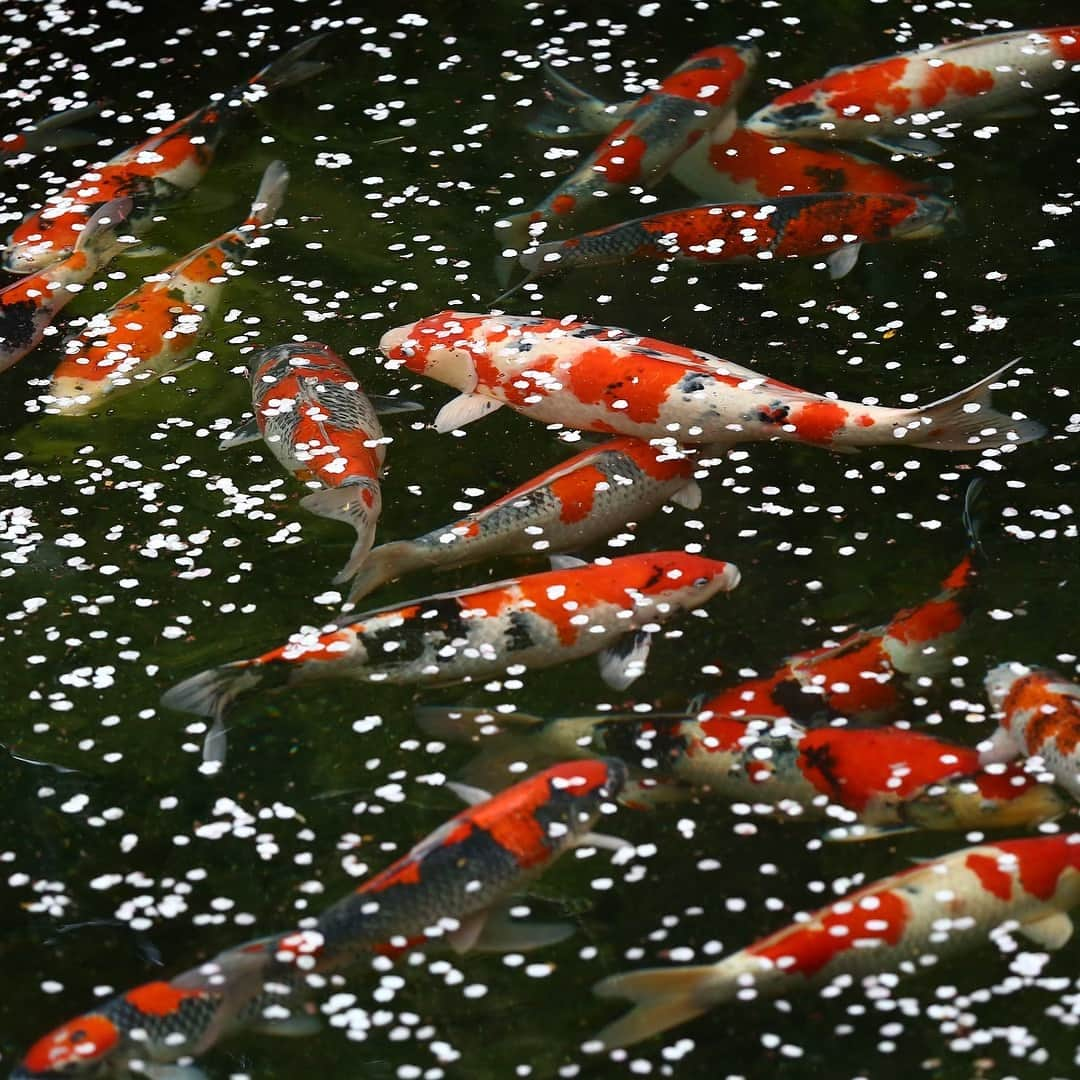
(130, 556)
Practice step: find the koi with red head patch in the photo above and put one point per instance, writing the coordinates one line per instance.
(534, 621)
(976, 78)
(157, 171)
(52, 133)
(1039, 714)
(938, 909)
(607, 379)
(150, 331)
(835, 226)
(28, 306)
(583, 499)
(697, 98)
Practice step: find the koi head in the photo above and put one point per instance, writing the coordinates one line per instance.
(674, 577)
(1004, 799)
(787, 118)
(578, 791)
(1000, 681)
(443, 347)
(82, 1047)
(930, 218)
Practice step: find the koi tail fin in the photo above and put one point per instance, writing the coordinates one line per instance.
(291, 67)
(662, 997)
(359, 504)
(968, 421)
(211, 692)
(383, 564)
(269, 196)
(571, 112)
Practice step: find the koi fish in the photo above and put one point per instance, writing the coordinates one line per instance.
(747, 167)
(28, 306)
(697, 97)
(835, 226)
(455, 885)
(599, 378)
(888, 780)
(157, 171)
(937, 909)
(150, 331)
(583, 499)
(979, 77)
(52, 133)
(1039, 713)
(864, 676)
(535, 621)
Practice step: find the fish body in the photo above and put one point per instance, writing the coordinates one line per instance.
(833, 225)
(977, 77)
(583, 499)
(29, 306)
(607, 379)
(154, 328)
(452, 885)
(1039, 716)
(53, 132)
(155, 172)
(936, 909)
(696, 98)
(534, 621)
(865, 676)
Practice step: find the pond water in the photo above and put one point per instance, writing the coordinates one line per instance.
(134, 552)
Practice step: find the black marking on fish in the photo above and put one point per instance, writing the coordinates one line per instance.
(823, 760)
(518, 634)
(18, 325)
(799, 705)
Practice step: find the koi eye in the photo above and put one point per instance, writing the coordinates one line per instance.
(701, 581)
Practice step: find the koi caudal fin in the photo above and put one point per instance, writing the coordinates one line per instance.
(270, 194)
(291, 67)
(968, 421)
(357, 503)
(211, 692)
(385, 563)
(662, 997)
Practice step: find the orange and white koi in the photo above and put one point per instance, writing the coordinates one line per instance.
(835, 226)
(747, 167)
(312, 413)
(28, 306)
(153, 329)
(157, 171)
(583, 499)
(534, 621)
(453, 886)
(882, 100)
(1039, 715)
(699, 96)
(877, 780)
(607, 379)
(937, 909)
(52, 133)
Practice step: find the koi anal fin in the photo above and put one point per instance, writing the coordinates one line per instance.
(662, 997)
(968, 421)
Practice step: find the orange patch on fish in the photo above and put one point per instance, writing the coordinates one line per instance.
(991, 876)
(819, 421)
(159, 998)
(1042, 867)
(621, 163)
(949, 78)
(576, 493)
(601, 377)
(83, 1039)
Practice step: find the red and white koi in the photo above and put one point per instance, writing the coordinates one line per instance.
(52, 133)
(581, 500)
(534, 621)
(884, 99)
(878, 780)
(606, 379)
(936, 910)
(157, 171)
(454, 886)
(835, 226)
(747, 167)
(699, 96)
(28, 306)
(1039, 716)
(153, 329)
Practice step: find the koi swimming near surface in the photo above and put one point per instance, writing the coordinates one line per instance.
(835, 226)
(696, 98)
(150, 331)
(1039, 716)
(53, 133)
(157, 171)
(598, 378)
(454, 886)
(28, 306)
(887, 100)
(935, 910)
(583, 499)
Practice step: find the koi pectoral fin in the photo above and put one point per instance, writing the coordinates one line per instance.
(688, 497)
(842, 261)
(908, 145)
(1051, 931)
(171, 1072)
(471, 796)
(858, 833)
(1000, 747)
(247, 432)
(386, 405)
(623, 662)
(500, 933)
(298, 1025)
(464, 409)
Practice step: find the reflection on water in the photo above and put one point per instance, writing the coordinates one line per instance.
(135, 552)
